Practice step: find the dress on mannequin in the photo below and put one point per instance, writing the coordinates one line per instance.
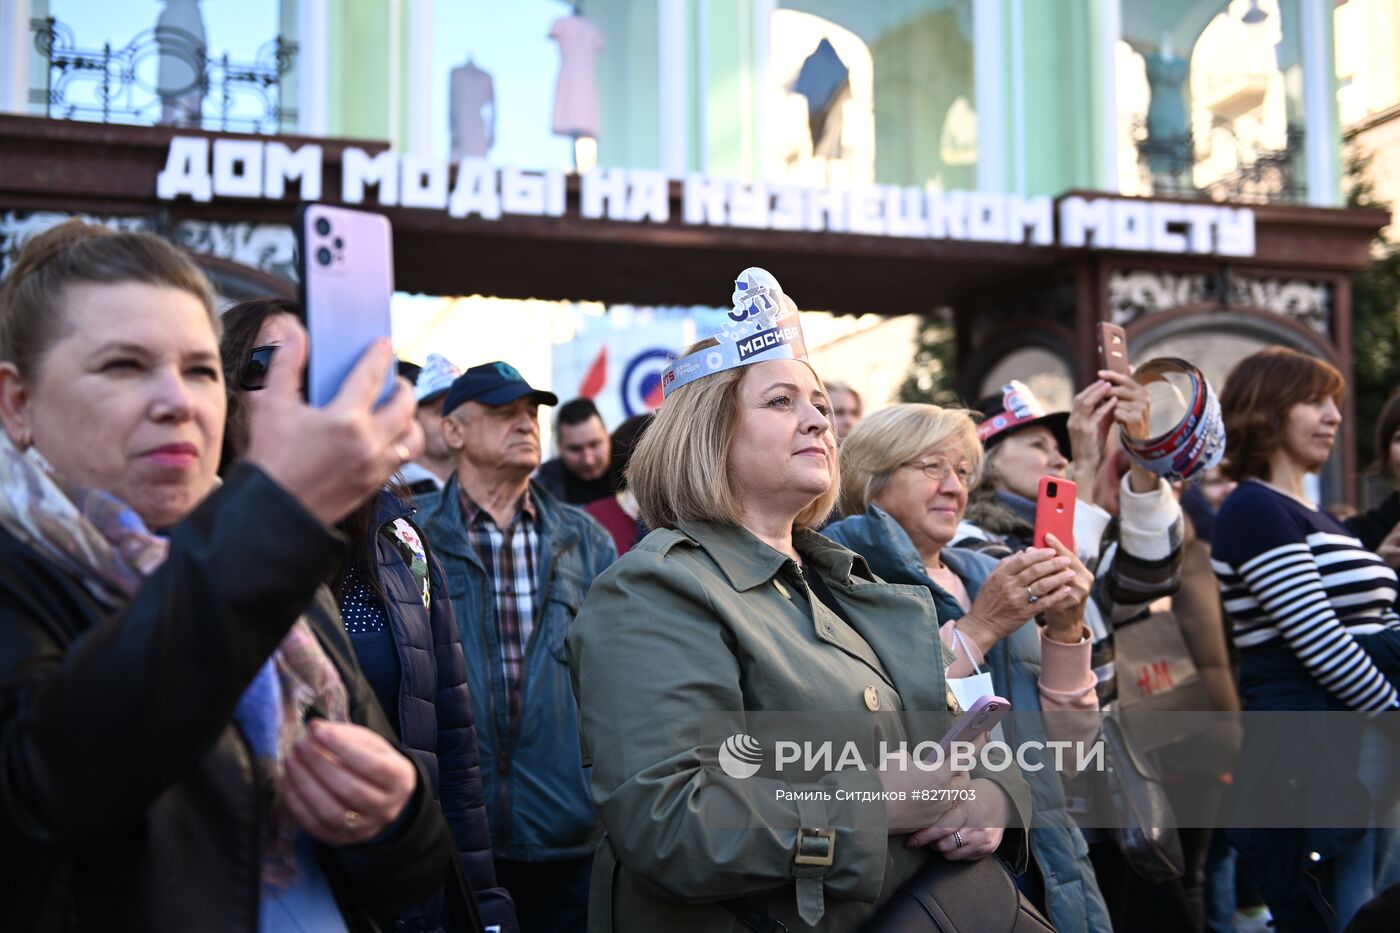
(576, 94)
(826, 83)
(470, 93)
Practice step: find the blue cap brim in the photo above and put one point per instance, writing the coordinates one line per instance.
(509, 393)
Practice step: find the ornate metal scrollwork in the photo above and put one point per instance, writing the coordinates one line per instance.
(1308, 303)
(269, 248)
(118, 85)
(1262, 176)
(1134, 293)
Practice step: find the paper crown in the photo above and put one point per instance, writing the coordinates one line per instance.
(763, 325)
(435, 378)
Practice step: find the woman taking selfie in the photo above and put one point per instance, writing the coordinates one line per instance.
(184, 734)
(734, 606)
(1312, 618)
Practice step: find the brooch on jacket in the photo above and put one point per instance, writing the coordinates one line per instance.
(415, 555)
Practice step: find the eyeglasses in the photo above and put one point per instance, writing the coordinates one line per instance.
(255, 372)
(939, 468)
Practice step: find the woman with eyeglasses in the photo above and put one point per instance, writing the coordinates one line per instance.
(906, 472)
(395, 608)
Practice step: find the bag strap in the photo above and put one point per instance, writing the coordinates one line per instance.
(967, 651)
(460, 911)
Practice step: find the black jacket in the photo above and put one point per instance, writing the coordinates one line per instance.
(127, 794)
(435, 705)
(570, 488)
(1372, 527)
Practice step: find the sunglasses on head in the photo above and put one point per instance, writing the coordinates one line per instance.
(255, 372)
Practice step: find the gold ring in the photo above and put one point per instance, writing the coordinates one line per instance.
(350, 823)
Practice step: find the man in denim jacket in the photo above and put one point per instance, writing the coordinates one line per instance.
(518, 564)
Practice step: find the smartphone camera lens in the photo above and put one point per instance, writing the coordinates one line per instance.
(323, 256)
(323, 226)
(1051, 489)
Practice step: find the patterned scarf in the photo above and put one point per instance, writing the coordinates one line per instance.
(98, 540)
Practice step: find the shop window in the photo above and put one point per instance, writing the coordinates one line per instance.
(218, 66)
(897, 79)
(1210, 100)
(822, 131)
(545, 84)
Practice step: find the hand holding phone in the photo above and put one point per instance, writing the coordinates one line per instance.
(347, 282)
(977, 721)
(1054, 511)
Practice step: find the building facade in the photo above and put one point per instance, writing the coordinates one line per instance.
(1021, 168)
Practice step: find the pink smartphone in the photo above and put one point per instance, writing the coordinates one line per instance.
(347, 280)
(979, 719)
(1054, 511)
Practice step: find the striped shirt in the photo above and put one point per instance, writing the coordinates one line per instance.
(1288, 571)
(510, 556)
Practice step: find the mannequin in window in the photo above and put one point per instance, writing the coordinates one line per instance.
(471, 111)
(180, 37)
(576, 94)
(826, 83)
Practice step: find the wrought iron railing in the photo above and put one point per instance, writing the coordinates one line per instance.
(1265, 175)
(1261, 176)
(124, 84)
(1169, 162)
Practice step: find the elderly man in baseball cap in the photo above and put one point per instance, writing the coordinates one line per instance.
(518, 562)
(426, 475)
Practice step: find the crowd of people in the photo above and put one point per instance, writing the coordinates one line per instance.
(377, 666)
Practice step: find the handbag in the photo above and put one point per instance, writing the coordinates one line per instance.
(976, 896)
(1156, 674)
(1144, 822)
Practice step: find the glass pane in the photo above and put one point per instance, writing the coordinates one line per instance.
(877, 92)
(515, 83)
(152, 62)
(1210, 100)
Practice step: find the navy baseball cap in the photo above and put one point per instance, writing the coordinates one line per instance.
(493, 384)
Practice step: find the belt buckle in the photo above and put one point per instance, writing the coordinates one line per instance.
(813, 838)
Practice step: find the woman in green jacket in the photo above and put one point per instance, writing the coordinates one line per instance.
(735, 607)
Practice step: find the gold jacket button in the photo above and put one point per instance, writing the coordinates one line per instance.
(872, 698)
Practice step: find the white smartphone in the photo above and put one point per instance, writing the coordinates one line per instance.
(347, 280)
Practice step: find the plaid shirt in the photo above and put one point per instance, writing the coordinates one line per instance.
(509, 555)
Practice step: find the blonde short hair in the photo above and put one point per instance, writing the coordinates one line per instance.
(892, 436)
(679, 469)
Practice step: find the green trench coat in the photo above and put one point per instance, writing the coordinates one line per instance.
(679, 639)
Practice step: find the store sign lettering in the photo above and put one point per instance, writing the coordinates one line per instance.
(203, 169)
